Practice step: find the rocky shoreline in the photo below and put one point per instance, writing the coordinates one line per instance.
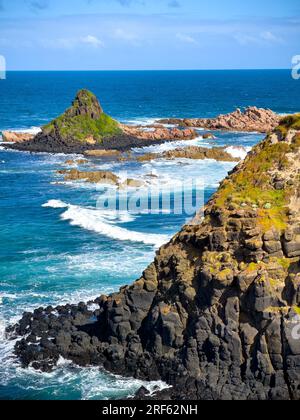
(84, 128)
(120, 143)
(214, 314)
(251, 119)
(192, 152)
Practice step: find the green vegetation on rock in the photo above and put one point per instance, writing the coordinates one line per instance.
(252, 184)
(84, 121)
(291, 122)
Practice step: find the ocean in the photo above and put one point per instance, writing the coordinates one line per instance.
(56, 245)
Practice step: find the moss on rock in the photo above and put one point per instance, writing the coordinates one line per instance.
(252, 183)
(84, 122)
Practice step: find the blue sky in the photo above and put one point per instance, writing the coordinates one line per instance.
(148, 34)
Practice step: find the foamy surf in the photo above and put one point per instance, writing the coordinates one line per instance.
(239, 152)
(172, 145)
(31, 130)
(55, 204)
(104, 223)
(141, 121)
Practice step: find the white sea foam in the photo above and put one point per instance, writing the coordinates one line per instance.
(31, 130)
(238, 151)
(55, 204)
(171, 145)
(89, 382)
(141, 121)
(105, 224)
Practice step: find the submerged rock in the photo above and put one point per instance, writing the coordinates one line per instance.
(71, 162)
(134, 183)
(99, 177)
(94, 177)
(216, 315)
(102, 153)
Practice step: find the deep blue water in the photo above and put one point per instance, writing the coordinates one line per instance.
(31, 98)
(56, 246)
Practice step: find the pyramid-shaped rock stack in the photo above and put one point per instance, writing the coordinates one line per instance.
(81, 127)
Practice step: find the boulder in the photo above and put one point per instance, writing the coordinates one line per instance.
(105, 177)
(12, 137)
(102, 153)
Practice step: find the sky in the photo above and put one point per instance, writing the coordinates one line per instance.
(149, 34)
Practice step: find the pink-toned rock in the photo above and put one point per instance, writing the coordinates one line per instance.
(12, 137)
(251, 119)
(160, 133)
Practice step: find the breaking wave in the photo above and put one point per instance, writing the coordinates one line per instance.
(104, 223)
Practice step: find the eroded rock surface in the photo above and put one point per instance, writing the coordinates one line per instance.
(160, 133)
(99, 177)
(13, 137)
(216, 314)
(251, 119)
(192, 152)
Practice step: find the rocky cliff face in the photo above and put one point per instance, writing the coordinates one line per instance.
(251, 119)
(216, 314)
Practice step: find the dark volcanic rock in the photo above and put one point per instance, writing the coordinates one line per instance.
(216, 314)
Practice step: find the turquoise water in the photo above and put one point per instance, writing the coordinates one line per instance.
(56, 247)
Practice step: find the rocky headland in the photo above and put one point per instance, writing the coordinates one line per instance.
(251, 119)
(84, 128)
(216, 315)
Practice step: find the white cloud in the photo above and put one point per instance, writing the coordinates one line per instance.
(270, 37)
(93, 41)
(263, 39)
(186, 38)
(125, 35)
(71, 43)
